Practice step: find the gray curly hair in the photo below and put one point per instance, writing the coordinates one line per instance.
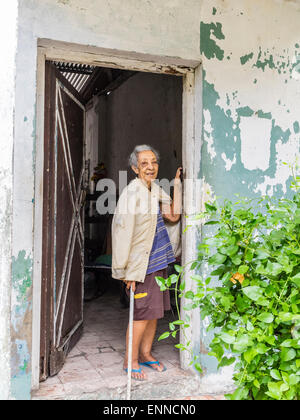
(133, 158)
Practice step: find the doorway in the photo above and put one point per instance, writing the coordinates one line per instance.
(99, 113)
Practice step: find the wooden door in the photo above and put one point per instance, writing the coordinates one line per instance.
(63, 234)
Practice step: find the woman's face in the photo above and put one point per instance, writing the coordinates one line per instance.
(147, 168)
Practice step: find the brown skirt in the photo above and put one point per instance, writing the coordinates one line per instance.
(149, 301)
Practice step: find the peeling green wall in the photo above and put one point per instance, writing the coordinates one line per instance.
(251, 101)
(256, 85)
(21, 326)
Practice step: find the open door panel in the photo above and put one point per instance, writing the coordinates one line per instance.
(63, 225)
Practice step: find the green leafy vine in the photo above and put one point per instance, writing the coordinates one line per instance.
(250, 294)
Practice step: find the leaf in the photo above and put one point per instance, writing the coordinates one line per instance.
(207, 281)
(256, 383)
(296, 280)
(285, 377)
(180, 346)
(236, 260)
(182, 286)
(273, 269)
(242, 303)
(226, 362)
(287, 343)
(189, 294)
(287, 354)
(227, 338)
(197, 277)
(262, 253)
(210, 208)
(198, 367)
(266, 317)
(239, 394)
(160, 281)
(263, 301)
(174, 278)
(294, 379)
(226, 277)
(250, 354)
(242, 214)
(164, 335)
(171, 326)
(243, 269)
(178, 322)
(230, 250)
(226, 302)
(194, 265)
(249, 255)
(275, 374)
(242, 343)
(217, 259)
(261, 348)
(219, 271)
(211, 222)
(217, 351)
(188, 307)
(274, 390)
(285, 316)
(253, 292)
(250, 326)
(284, 387)
(178, 268)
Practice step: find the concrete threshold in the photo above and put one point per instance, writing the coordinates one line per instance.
(165, 388)
(94, 368)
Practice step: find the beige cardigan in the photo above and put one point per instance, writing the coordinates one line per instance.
(133, 229)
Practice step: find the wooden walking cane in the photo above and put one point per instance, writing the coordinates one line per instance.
(130, 334)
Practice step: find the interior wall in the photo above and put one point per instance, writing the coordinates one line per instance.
(92, 134)
(146, 109)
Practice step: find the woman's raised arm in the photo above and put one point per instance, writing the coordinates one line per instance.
(172, 212)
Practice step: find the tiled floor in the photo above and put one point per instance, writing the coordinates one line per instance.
(94, 367)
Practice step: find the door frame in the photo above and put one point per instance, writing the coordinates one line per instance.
(191, 73)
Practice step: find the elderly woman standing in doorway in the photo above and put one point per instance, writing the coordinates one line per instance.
(141, 250)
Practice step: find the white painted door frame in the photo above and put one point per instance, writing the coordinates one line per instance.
(191, 73)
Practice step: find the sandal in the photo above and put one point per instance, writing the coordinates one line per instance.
(135, 370)
(156, 362)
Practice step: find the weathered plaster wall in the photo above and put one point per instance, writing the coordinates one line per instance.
(7, 95)
(251, 61)
(169, 28)
(146, 109)
(250, 97)
(251, 101)
(157, 27)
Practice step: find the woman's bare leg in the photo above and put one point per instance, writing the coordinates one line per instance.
(139, 328)
(146, 345)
